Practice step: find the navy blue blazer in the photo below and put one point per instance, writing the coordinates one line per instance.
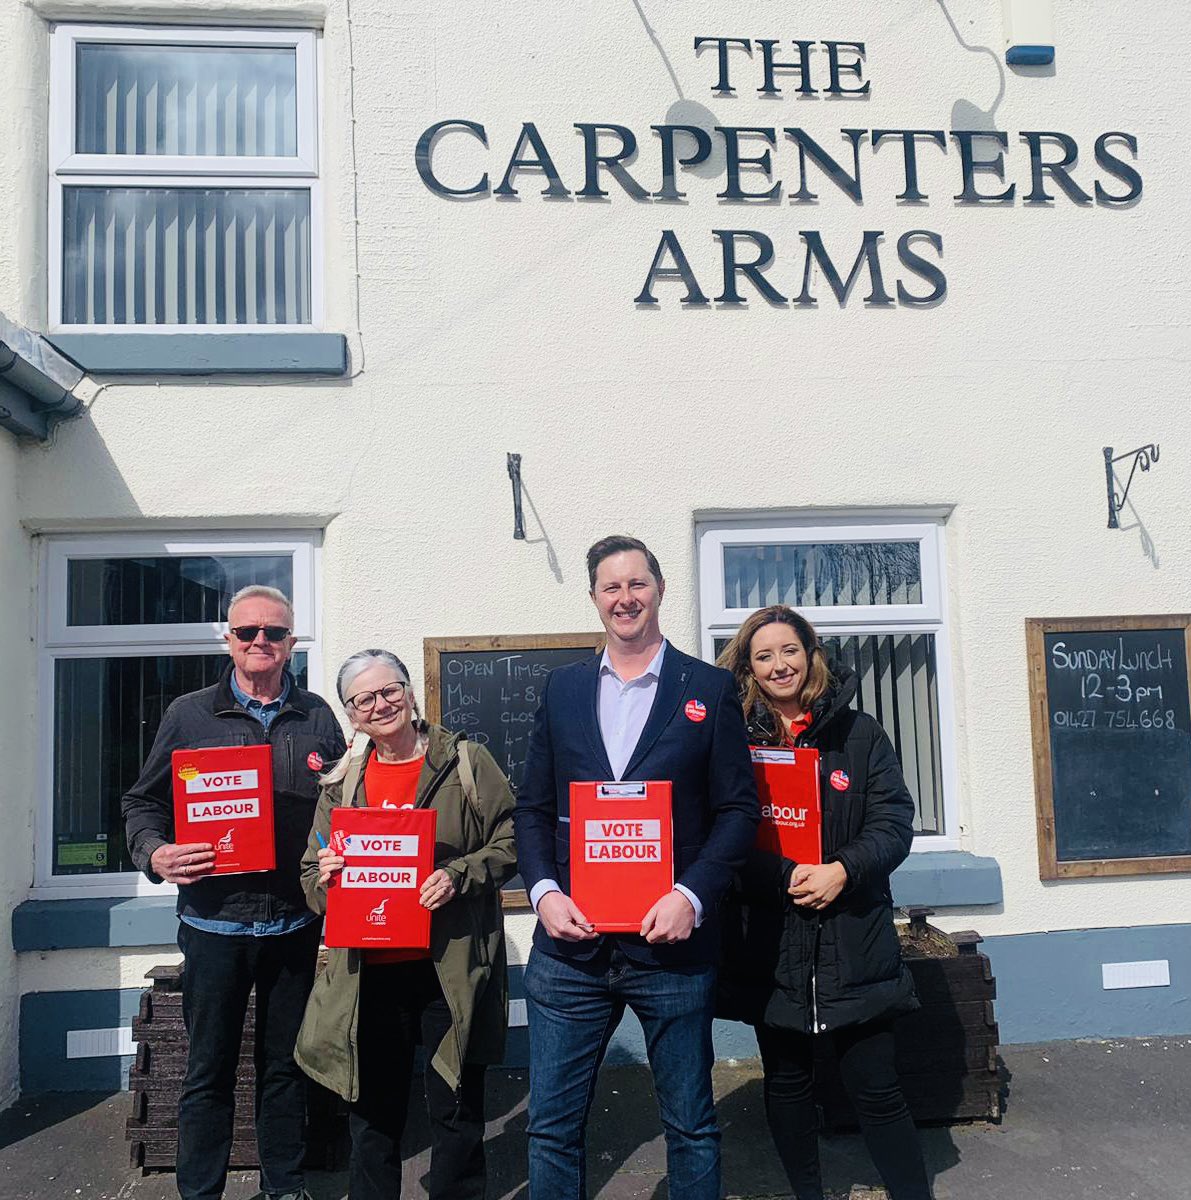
(714, 794)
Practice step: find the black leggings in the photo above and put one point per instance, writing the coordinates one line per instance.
(400, 1005)
(866, 1063)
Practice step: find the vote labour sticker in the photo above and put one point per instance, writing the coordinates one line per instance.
(314, 760)
(695, 711)
(188, 771)
(839, 780)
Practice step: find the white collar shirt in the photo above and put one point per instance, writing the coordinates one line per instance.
(623, 707)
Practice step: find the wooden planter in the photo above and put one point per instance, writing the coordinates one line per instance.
(947, 1050)
(155, 1081)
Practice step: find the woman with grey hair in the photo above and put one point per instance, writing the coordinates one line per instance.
(370, 1008)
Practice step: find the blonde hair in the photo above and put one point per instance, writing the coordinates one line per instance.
(737, 658)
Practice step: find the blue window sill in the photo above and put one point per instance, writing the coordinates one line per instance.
(947, 879)
(205, 353)
(94, 921)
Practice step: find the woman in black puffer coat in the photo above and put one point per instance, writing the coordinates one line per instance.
(811, 950)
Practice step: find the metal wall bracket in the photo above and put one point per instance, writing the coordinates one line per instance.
(1142, 457)
(514, 469)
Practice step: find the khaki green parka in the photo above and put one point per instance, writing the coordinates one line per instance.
(474, 844)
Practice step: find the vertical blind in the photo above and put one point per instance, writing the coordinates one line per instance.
(186, 100)
(165, 590)
(899, 688)
(106, 715)
(186, 256)
(812, 574)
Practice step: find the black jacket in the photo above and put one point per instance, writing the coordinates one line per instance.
(305, 726)
(798, 969)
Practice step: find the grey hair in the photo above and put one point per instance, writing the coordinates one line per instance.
(352, 667)
(361, 661)
(263, 592)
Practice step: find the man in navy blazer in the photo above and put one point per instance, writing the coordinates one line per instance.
(641, 710)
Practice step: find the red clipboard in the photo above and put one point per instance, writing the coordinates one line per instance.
(373, 902)
(622, 851)
(224, 795)
(788, 787)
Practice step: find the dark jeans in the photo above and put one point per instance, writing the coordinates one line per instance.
(574, 1008)
(220, 971)
(866, 1062)
(400, 1005)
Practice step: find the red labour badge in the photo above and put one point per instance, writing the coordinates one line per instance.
(695, 711)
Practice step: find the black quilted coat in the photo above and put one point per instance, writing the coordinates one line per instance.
(795, 968)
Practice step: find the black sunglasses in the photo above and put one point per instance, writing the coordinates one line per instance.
(273, 633)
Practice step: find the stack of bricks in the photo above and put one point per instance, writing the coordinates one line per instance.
(947, 1050)
(155, 1081)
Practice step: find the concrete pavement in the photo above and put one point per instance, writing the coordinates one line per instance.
(1083, 1121)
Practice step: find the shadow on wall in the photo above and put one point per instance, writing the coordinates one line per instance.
(964, 113)
(1148, 549)
(76, 454)
(551, 555)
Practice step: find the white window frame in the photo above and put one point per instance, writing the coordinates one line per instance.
(57, 640)
(717, 620)
(68, 169)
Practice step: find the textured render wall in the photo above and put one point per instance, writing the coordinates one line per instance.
(492, 325)
(16, 730)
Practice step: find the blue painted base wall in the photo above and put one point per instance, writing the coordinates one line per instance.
(1049, 988)
(46, 1017)
(1049, 985)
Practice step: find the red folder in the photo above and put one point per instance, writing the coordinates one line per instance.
(224, 795)
(388, 854)
(622, 851)
(791, 809)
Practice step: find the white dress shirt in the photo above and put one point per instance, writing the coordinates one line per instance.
(623, 707)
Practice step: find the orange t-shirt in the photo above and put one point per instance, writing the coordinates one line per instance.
(800, 726)
(392, 785)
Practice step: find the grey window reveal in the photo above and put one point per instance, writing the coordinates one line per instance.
(178, 589)
(186, 100)
(106, 715)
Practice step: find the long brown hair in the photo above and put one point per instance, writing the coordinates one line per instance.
(736, 658)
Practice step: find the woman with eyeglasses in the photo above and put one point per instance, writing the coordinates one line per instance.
(810, 950)
(370, 1008)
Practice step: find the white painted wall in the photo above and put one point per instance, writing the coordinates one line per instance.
(16, 727)
(490, 326)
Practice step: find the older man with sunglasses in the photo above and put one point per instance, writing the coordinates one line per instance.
(241, 931)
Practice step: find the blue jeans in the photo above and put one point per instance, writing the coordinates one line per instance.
(574, 1008)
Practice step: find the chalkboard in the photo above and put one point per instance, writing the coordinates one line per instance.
(1112, 744)
(489, 687)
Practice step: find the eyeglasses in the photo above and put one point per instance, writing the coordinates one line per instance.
(273, 633)
(365, 702)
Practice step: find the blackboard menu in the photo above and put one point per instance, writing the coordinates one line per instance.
(1112, 741)
(490, 687)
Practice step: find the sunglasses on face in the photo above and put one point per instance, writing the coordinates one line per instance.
(365, 702)
(273, 633)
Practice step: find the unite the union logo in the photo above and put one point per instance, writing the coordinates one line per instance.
(377, 915)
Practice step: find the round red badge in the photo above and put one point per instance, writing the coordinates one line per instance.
(695, 710)
(314, 760)
(839, 780)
